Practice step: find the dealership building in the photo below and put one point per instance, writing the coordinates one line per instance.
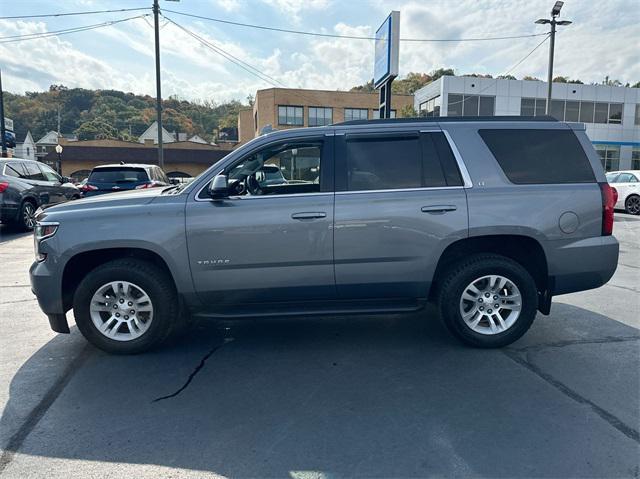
(611, 114)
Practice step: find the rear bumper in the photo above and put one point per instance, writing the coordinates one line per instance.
(583, 264)
(47, 288)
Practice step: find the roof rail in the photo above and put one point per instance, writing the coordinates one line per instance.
(444, 119)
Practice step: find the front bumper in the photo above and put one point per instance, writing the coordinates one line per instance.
(46, 285)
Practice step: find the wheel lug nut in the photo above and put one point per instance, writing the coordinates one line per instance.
(487, 295)
(121, 300)
(115, 306)
(132, 311)
(490, 311)
(495, 297)
(496, 306)
(117, 315)
(481, 308)
(131, 304)
(126, 317)
(479, 300)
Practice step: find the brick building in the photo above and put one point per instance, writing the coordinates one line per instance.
(291, 108)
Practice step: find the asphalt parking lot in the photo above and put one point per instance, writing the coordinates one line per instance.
(380, 396)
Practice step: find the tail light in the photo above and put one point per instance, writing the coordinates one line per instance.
(144, 186)
(87, 187)
(615, 195)
(3, 186)
(609, 197)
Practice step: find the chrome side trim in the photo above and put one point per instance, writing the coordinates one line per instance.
(260, 197)
(401, 190)
(456, 153)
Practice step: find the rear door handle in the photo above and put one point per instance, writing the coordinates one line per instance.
(438, 209)
(309, 215)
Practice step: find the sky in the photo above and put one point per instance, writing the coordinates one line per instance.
(603, 40)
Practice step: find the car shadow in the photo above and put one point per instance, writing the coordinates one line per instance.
(390, 396)
(10, 232)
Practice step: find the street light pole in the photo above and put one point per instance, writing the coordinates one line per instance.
(3, 153)
(555, 12)
(156, 12)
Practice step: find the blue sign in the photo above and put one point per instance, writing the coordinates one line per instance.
(386, 49)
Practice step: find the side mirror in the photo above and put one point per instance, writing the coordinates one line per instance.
(219, 188)
(174, 181)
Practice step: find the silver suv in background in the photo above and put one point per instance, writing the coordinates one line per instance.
(487, 217)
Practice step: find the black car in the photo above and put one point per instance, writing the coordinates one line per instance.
(131, 176)
(25, 185)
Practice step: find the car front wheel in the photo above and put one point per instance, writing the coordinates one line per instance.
(126, 306)
(27, 216)
(487, 301)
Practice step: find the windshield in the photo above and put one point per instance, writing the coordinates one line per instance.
(118, 175)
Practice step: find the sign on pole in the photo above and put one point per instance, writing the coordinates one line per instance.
(385, 68)
(386, 49)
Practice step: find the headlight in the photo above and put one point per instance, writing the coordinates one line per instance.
(41, 232)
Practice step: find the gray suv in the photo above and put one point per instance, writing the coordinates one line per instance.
(487, 217)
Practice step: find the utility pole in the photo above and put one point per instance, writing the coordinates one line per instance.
(2, 130)
(156, 12)
(555, 12)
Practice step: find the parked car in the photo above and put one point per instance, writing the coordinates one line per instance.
(25, 185)
(131, 176)
(487, 217)
(627, 183)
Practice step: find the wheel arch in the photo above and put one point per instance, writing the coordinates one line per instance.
(82, 263)
(525, 250)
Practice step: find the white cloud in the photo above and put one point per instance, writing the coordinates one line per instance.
(228, 5)
(293, 8)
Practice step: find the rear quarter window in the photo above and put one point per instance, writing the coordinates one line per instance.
(529, 156)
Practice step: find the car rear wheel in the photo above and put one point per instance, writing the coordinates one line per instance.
(632, 205)
(126, 306)
(487, 301)
(27, 216)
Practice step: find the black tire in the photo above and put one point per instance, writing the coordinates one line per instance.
(26, 216)
(157, 285)
(461, 274)
(632, 205)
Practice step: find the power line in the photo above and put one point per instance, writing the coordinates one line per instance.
(508, 71)
(17, 17)
(35, 36)
(242, 64)
(351, 37)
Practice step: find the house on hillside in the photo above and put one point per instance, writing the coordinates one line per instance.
(151, 133)
(27, 148)
(48, 142)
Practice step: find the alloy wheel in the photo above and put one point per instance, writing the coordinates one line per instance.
(490, 304)
(633, 205)
(121, 310)
(29, 215)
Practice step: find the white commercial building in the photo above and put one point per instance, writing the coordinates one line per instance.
(611, 114)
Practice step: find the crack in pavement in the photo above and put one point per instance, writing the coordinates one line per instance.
(570, 342)
(194, 372)
(38, 412)
(17, 301)
(614, 421)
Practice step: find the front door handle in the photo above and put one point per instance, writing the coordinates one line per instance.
(312, 215)
(438, 209)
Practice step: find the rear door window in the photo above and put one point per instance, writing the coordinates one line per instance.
(529, 156)
(383, 162)
(33, 172)
(118, 175)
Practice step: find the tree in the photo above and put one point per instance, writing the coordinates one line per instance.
(366, 88)
(636, 85)
(560, 79)
(530, 78)
(96, 130)
(506, 77)
(411, 83)
(407, 111)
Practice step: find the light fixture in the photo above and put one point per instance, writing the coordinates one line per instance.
(555, 11)
(58, 149)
